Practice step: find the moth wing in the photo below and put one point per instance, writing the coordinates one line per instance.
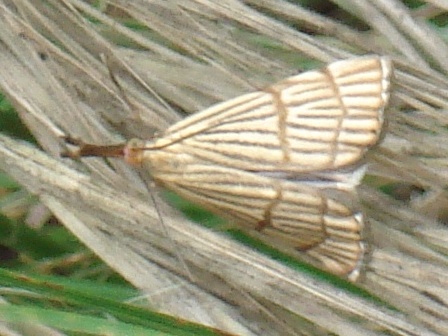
(315, 121)
(322, 223)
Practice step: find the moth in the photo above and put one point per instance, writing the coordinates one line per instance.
(283, 162)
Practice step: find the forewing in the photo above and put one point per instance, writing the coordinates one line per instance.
(315, 121)
(335, 115)
(324, 224)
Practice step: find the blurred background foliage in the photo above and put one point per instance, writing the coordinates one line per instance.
(33, 242)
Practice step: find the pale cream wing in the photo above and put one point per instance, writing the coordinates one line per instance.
(322, 223)
(318, 120)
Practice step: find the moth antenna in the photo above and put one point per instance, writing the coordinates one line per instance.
(114, 80)
(137, 78)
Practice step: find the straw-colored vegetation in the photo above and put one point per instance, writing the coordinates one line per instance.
(177, 57)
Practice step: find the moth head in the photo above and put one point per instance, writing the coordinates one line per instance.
(133, 152)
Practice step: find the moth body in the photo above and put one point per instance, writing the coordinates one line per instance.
(283, 162)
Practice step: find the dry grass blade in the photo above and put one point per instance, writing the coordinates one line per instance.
(52, 69)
